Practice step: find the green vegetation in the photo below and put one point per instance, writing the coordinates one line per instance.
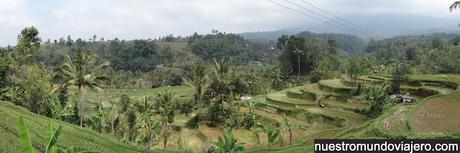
(220, 92)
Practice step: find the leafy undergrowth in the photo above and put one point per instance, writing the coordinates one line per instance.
(137, 94)
(71, 135)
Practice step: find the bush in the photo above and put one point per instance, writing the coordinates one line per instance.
(37, 87)
(185, 107)
(194, 122)
(15, 95)
(166, 76)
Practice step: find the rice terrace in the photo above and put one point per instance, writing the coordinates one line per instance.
(131, 87)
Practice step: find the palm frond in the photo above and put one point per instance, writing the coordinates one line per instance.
(455, 5)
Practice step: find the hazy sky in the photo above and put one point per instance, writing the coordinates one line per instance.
(131, 19)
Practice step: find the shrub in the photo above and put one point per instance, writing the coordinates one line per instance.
(194, 122)
(14, 94)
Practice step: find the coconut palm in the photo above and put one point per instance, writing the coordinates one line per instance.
(455, 5)
(165, 104)
(199, 81)
(298, 53)
(220, 92)
(222, 79)
(82, 72)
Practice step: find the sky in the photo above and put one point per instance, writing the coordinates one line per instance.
(142, 19)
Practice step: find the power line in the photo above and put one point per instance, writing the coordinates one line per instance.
(337, 17)
(328, 18)
(308, 15)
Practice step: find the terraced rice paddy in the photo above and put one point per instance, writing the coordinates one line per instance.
(315, 89)
(283, 99)
(397, 122)
(438, 115)
(325, 100)
(351, 118)
(337, 109)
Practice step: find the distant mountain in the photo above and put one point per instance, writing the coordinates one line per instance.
(346, 42)
(267, 35)
(389, 25)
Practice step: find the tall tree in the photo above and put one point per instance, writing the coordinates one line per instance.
(400, 71)
(199, 81)
(355, 68)
(82, 72)
(165, 104)
(28, 44)
(7, 64)
(298, 53)
(332, 46)
(221, 91)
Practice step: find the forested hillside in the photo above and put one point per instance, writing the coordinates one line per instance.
(347, 43)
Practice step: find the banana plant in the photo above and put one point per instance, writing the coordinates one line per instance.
(52, 140)
(289, 127)
(273, 136)
(26, 144)
(228, 144)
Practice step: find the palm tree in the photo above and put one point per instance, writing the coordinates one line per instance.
(455, 5)
(199, 81)
(165, 103)
(82, 72)
(221, 92)
(298, 53)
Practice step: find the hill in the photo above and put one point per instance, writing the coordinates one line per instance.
(346, 42)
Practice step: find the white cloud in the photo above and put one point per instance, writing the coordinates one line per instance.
(153, 18)
(12, 17)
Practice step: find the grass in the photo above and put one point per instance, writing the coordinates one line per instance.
(71, 134)
(315, 89)
(335, 86)
(351, 118)
(334, 83)
(281, 97)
